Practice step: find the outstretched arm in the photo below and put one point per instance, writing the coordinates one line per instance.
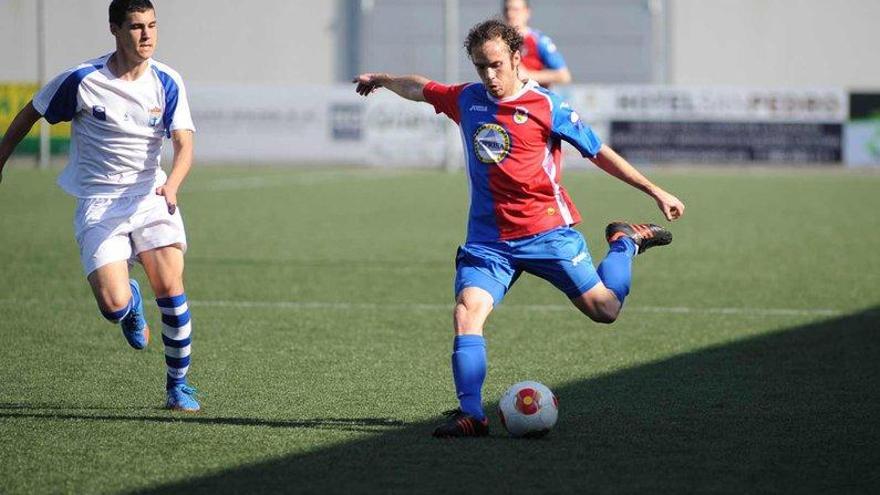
(409, 87)
(18, 129)
(608, 160)
(183, 152)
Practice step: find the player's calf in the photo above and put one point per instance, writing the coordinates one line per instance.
(177, 338)
(626, 240)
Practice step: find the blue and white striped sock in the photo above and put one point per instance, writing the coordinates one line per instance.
(176, 335)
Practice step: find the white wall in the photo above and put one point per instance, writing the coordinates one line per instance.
(260, 41)
(711, 42)
(18, 41)
(775, 42)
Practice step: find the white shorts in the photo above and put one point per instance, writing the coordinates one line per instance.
(116, 229)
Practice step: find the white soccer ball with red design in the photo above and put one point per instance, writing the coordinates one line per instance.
(528, 409)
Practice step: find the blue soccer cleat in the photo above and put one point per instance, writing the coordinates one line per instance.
(182, 397)
(134, 326)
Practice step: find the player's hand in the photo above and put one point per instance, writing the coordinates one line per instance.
(170, 194)
(671, 206)
(367, 83)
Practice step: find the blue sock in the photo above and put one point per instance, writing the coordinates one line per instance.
(616, 269)
(177, 337)
(117, 316)
(469, 371)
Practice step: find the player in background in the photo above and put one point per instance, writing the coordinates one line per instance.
(541, 61)
(521, 216)
(121, 106)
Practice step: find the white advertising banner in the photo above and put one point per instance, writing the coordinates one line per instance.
(333, 125)
(723, 104)
(313, 125)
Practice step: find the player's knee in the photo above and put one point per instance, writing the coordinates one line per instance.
(111, 301)
(604, 317)
(601, 311)
(470, 312)
(607, 312)
(472, 305)
(465, 315)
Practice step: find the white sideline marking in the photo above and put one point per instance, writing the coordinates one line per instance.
(531, 307)
(349, 306)
(280, 180)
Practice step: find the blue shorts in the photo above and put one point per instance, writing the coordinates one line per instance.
(559, 256)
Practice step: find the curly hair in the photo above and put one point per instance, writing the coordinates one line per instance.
(489, 30)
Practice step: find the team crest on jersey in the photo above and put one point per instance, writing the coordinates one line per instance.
(99, 112)
(491, 143)
(155, 116)
(521, 115)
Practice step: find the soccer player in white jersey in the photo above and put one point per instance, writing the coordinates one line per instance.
(121, 106)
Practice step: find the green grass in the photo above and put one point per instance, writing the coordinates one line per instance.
(747, 359)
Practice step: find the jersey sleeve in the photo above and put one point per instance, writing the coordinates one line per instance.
(444, 98)
(549, 54)
(568, 126)
(181, 119)
(176, 114)
(58, 101)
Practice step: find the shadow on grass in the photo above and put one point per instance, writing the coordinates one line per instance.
(62, 413)
(795, 411)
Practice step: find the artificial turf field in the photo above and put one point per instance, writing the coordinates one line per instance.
(747, 359)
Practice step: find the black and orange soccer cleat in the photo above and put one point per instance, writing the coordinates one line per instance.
(460, 424)
(645, 235)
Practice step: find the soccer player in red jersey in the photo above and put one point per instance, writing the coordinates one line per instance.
(541, 60)
(521, 216)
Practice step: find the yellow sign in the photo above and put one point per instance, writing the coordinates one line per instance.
(13, 97)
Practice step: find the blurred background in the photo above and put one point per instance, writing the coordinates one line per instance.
(663, 81)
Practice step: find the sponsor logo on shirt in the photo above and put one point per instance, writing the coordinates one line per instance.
(491, 143)
(521, 116)
(577, 259)
(479, 108)
(155, 116)
(99, 112)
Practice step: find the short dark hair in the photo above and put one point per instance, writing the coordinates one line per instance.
(119, 9)
(489, 30)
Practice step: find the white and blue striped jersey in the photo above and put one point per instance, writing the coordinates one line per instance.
(117, 126)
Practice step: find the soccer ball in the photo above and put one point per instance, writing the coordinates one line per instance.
(528, 409)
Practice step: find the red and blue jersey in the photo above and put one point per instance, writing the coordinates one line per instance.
(539, 52)
(513, 150)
